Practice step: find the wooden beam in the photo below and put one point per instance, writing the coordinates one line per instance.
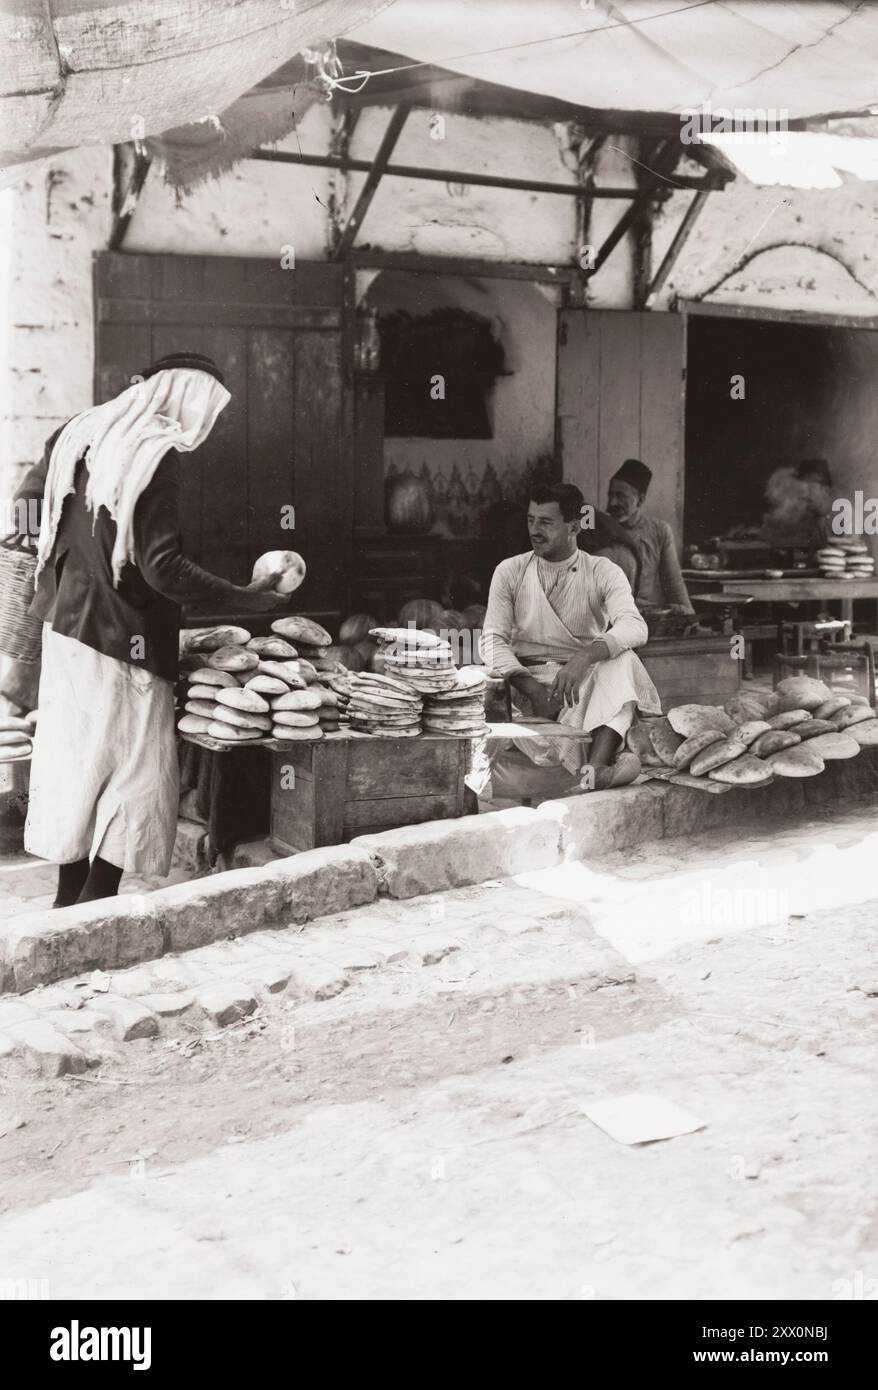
(664, 163)
(461, 265)
(681, 236)
(412, 171)
(124, 212)
(805, 317)
(373, 178)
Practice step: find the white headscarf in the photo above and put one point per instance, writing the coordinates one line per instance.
(126, 439)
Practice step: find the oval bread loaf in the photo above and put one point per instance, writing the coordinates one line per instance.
(243, 699)
(294, 719)
(287, 671)
(812, 728)
(788, 718)
(865, 734)
(206, 675)
(830, 746)
(801, 761)
(266, 685)
(746, 771)
(285, 731)
(233, 659)
(241, 719)
(273, 646)
(296, 700)
(831, 707)
(211, 639)
(202, 692)
(773, 741)
(856, 714)
(303, 630)
(230, 733)
(716, 755)
(664, 739)
(751, 729)
(194, 724)
(203, 707)
(694, 745)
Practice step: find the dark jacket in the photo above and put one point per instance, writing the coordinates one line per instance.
(75, 590)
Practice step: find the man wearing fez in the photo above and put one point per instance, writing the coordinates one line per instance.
(561, 625)
(661, 582)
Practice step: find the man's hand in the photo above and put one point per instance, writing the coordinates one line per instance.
(257, 598)
(544, 707)
(565, 688)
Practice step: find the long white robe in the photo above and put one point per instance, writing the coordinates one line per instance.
(104, 775)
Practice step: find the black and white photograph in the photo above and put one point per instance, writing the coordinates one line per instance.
(438, 630)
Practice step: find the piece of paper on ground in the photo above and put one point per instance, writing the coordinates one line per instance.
(641, 1118)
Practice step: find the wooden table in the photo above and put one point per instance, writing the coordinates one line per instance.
(841, 591)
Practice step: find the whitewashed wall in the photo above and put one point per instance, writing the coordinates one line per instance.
(51, 224)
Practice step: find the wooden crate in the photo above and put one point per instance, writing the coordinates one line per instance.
(692, 670)
(327, 792)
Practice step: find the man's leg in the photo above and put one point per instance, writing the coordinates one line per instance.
(102, 882)
(71, 879)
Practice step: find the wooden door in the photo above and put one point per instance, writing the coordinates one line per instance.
(621, 394)
(283, 440)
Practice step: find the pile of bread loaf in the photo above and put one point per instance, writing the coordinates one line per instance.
(845, 558)
(757, 735)
(16, 736)
(242, 689)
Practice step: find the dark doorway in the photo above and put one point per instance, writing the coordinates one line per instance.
(809, 391)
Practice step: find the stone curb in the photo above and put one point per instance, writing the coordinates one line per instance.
(41, 947)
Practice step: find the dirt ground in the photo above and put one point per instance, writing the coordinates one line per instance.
(421, 1136)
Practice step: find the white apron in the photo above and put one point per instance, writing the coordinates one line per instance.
(605, 691)
(104, 776)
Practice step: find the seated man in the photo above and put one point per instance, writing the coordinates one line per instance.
(561, 625)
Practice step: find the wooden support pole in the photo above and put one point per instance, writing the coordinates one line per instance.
(681, 236)
(124, 211)
(373, 178)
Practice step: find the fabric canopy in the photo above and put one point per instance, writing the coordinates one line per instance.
(809, 57)
(82, 72)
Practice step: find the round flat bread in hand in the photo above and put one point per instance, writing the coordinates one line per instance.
(294, 719)
(697, 719)
(716, 755)
(211, 639)
(275, 647)
(773, 741)
(865, 734)
(233, 659)
(789, 718)
(284, 568)
(241, 719)
(206, 675)
(855, 714)
(302, 629)
(664, 739)
(750, 731)
(829, 746)
(246, 699)
(746, 771)
(831, 707)
(801, 761)
(296, 700)
(691, 747)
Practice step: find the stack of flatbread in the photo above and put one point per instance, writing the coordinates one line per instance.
(842, 558)
(381, 703)
(421, 659)
(461, 710)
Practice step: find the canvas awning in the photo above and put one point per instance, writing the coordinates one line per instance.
(808, 57)
(83, 72)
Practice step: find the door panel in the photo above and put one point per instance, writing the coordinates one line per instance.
(277, 337)
(621, 395)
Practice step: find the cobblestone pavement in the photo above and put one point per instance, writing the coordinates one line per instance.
(388, 1103)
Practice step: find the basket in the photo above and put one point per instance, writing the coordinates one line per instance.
(20, 634)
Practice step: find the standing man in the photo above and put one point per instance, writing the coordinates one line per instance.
(661, 582)
(110, 582)
(561, 625)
